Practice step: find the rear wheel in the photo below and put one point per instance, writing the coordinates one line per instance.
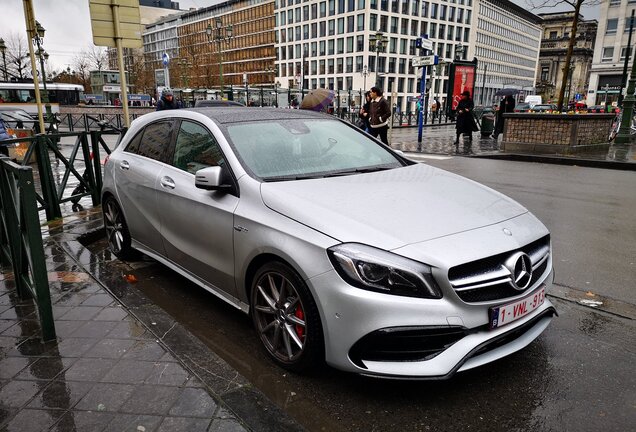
(286, 318)
(116, 229)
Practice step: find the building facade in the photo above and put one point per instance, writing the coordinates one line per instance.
(246, 51)
(610, 51)
(557, 28)
(328, 43)
(505, 40)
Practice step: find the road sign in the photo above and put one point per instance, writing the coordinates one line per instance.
(427, 44)
(103, 25)
(424, 61)
(165, 59)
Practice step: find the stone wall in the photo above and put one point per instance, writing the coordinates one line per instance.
(556, 133)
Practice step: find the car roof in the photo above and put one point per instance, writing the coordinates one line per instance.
(214, 102)
(228, 115)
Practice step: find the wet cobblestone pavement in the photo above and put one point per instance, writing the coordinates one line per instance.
(109, 369)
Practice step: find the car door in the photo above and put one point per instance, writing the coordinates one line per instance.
(196, 224)
(137, 172)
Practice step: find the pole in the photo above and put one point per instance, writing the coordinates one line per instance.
(393, 101)
(29, 17)
(220, 65)
(120, 62)
(483, 85)
(623, 136)
(420, 117)
(45, 98)
(629, 50)
(4, 62)
(377, 65)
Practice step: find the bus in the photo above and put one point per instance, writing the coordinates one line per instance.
(22, 95)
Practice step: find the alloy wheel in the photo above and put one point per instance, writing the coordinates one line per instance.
(280, 317)
(114, 223)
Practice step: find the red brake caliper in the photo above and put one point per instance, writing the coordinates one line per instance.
(300, 330)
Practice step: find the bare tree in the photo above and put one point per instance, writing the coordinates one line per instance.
(82, 67)
(18, 63)
(576, 4)
(97, 57)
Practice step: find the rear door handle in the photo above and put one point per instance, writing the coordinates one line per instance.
(167, 182)
(124, 165)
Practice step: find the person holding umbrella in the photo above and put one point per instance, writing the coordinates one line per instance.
(507, 105)
(465, 121)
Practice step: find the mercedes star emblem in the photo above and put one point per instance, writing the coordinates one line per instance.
(520, 268)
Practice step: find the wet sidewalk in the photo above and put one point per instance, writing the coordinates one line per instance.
(440, 140)
(119, 363)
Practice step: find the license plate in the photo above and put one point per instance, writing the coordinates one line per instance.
(505, 314)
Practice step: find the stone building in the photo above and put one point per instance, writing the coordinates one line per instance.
(606, 77)
(557, 28)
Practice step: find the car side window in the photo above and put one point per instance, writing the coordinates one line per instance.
(155, 140)
(133, 145)
(196, 148)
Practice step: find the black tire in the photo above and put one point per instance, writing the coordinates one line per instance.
(286, 318)
(117, 232)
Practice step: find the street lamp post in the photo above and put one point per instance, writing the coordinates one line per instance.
(365, 73)
(3, 50)
(624, 136)
(270, 70)
(219, 34)
(377, 44)
(44, 56)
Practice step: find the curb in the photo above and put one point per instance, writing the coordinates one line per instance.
(589, 163)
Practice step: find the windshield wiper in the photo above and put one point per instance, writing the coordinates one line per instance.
(288, 178)
(358, 171)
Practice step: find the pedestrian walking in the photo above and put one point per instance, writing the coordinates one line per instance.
(365, 111)
(507, 105)
(167, 101)
(465, 122)
(379, 115)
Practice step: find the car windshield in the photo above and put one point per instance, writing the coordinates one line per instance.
(297, 149)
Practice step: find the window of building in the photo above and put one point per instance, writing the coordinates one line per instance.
(628, 23)
(553, 35)
(545, 73)
(624, 53)
(360, 22)
(434, 10)
(612, 25)
(608, 54)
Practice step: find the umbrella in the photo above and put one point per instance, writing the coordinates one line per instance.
(317, 99)
(506, 92)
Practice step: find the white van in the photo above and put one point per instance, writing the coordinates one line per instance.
(533, 100)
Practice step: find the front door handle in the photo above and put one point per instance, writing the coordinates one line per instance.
(167, 182)
(124, 165)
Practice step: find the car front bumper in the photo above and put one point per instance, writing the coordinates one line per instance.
(349, 315)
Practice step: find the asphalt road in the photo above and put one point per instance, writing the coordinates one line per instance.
(577, 376)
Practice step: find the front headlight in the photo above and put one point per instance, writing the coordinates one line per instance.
(378, 270)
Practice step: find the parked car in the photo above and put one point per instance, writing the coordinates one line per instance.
(544, 108)
(522, 107)
(603, 109)
(201, 103)
(339, 248)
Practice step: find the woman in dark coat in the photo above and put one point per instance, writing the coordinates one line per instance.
(465, 122)
(507, 105)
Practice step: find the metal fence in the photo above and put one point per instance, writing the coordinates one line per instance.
(21, 239)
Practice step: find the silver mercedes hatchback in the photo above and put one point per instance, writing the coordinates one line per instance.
(340, 249)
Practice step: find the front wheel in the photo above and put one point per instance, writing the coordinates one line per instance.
(286, 318)
(116, 229)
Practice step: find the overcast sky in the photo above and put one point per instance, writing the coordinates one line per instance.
(68, 29)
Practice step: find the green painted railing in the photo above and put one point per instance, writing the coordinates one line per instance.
(21, 239)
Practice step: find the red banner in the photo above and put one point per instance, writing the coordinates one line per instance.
(464, 80)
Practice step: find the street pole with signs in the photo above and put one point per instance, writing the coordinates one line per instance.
(426, 45)
(165, 60)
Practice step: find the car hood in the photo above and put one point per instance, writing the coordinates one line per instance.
(390, 209)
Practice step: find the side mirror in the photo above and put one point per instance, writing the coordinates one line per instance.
(210, 179)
